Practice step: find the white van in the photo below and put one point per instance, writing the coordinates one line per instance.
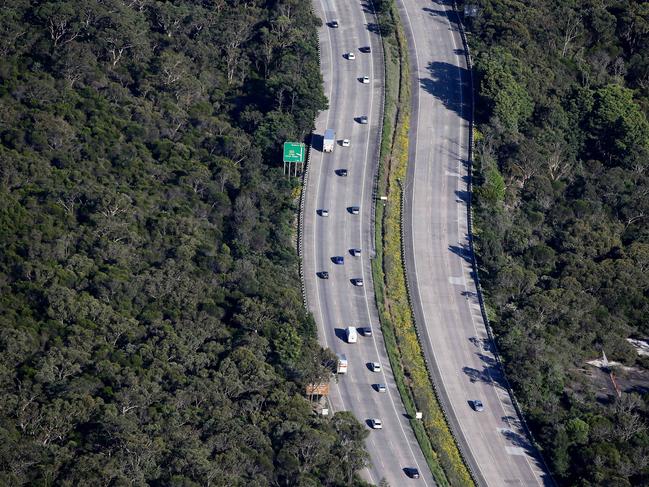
(352, 334)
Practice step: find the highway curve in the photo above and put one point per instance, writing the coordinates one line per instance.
(438, 258)
(335, 302)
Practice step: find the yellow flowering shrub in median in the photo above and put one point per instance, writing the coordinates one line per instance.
(397, 306)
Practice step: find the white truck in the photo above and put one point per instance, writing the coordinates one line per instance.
(342, 364)
(328, 141)
(352, 334)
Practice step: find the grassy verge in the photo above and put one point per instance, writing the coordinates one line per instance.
(397, 323)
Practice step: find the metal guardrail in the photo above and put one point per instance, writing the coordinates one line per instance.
(377, 152)
(300, 226)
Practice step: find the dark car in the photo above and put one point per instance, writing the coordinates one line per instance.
(411, 472)
(323, 275)
(366, 49)
(367, 331)
(341, 172)
(357, 281)
(355, 252)
(334, 24)
(354, 210)
(477, 405)
(338, 259)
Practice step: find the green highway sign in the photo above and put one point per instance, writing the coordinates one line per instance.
(293, 152)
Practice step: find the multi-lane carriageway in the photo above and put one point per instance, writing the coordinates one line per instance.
(439, 274)
(335, 302)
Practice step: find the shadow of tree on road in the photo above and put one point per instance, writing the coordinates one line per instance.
(517, 440)
(447, 84)
(435, 13)
(476, 375)
(490, 374)
(463, 195)
(509, 420)
(462, 251)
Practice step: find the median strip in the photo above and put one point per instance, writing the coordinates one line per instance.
(397, 323)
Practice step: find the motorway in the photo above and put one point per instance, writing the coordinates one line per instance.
(438, 258)
(335, 302)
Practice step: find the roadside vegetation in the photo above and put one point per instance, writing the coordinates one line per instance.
(151, 322)
(562, 222)
(397, 323)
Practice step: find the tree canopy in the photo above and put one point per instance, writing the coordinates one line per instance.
(562, 208)
(151, 328)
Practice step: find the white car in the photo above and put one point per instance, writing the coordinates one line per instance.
(345, 143)
(381, 388)
(363, 119)
(375, 366)
(365, 79)
(357, 281)
(355, 252)
(376, 423)
(351, 56)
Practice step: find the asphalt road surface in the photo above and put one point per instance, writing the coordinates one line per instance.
(438, 258)
(335, 302)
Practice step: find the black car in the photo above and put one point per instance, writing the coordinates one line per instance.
(367, 331)
(334, 24)
(341, 172)
(354, 210)
(411, 472)
(338, 259)
(366, 49)
(323, 275)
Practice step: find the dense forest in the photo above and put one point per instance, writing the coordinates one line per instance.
(562, 207)
(151, 322)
